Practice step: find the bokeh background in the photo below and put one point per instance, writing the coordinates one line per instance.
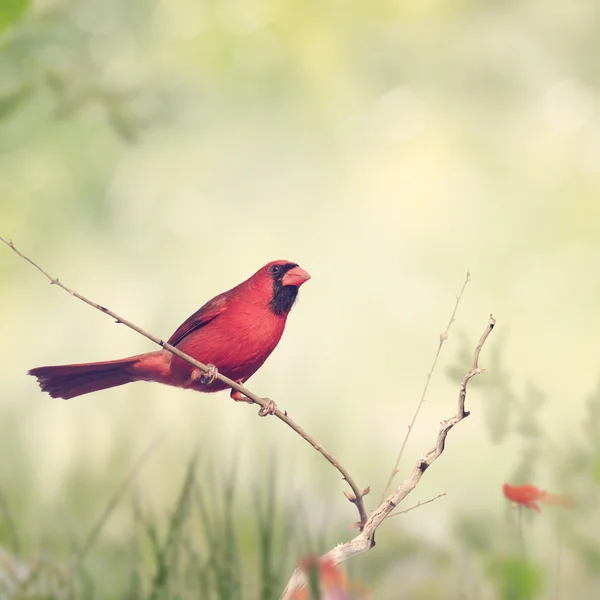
(154, 153)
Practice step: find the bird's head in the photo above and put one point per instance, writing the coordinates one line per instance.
(279, 280)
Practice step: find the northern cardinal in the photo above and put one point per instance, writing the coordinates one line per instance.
(234, 333)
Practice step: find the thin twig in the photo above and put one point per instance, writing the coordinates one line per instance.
(357, 496)
(443, 338)
(365, 540)
(417, 505)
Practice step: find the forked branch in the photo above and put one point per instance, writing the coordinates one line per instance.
(365, 540)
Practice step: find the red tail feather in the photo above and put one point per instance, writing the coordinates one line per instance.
(68, 381)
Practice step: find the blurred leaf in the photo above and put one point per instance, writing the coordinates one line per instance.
(11, 11)
(516, 578)
(11, 101)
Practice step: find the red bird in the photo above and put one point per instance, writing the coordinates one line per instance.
(235, 332)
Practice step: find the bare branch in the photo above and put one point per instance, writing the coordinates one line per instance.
(365, 540)
(262, 402)
(443, 338)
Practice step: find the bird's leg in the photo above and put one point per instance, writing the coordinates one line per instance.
(205, 378)
(239, 397)
(268, 409)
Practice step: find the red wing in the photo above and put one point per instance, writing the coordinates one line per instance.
(211, 310)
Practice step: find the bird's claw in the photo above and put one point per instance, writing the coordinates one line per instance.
(210, 375)
(268, 409)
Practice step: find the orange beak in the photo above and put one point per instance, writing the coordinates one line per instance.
(295, 276)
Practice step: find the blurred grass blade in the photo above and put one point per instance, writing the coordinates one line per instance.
(166, 557)
(112, 503)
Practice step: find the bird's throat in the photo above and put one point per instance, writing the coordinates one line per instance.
(283, 298)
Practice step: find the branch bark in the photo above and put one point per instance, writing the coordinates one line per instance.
(357, 494)
(365, 540)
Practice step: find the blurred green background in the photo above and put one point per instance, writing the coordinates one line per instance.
(154, 153)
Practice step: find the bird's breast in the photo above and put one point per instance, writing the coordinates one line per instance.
(237, 342)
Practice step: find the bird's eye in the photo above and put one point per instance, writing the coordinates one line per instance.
(274, 269)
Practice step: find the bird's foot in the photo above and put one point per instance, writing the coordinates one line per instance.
(199, 376)
(206, 378)
(268, 409)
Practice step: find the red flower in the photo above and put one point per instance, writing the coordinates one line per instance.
(332, 581)
(528, 495)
